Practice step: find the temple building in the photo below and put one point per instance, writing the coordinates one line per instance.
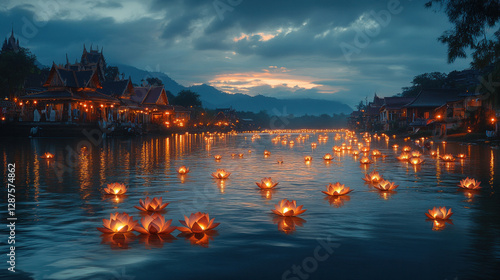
(11, 43)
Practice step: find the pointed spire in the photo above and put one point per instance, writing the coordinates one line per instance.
(67, 60)
(90, 47)
(12, 34)
(84, 49)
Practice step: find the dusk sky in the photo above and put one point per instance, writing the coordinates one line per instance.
(285, 49)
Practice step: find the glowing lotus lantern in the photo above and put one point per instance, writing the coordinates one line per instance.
(337, 149)
(266, 183)
(416, 154)
(47, 156)
(221, 174)
(355, 153)
(115, 188)
(433, 153)
(447, 158)
(267, 153)
(197, 223)
(416, 160)
(469, 184)
(327, 157)
(314, 145)
(217, 157)
(152, 205)
(336, 189)
(439, 213)
(241, 155)
(307, 158)
(404, 157)
(365, 160)
(385, 185)
(376, 153)
(280, 161)
(461, 156)
(233, 155)
(348, 147)
(406, 149)
(288, 208)
(183, 170)
(373, 177)
(365, 149)
(118, 223)
(155, 224)
(395, 146)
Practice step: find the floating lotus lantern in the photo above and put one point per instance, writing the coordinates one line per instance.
(447, 158)
(233, 155)
(365, 149)
(348, 147)
(376, 153)
(183, 170)
(365, 160)
(337, 149)
(288, 208)
(385, 185)
(416, 154)
(395, 146)
(307, 158)
(221, 174)
(336, 189)
(267, 153)
(151, 205)
(217, 157)
(355, 153)
(314, 145)
(47, 156)
(461, 156)
(118, 223)
(404, 157)
(416, 160)
(241, 155)
(280, 161)
(433, 153)
(197, 223)
(406, 149)
(266, 183)
(469, 184)
(373, 177)
(115, 188)
(155, 224)
(439, 213)
(328, 157)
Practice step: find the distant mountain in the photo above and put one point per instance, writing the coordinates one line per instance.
(213, 98)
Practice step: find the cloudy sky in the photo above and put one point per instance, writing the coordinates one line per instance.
(338, 50)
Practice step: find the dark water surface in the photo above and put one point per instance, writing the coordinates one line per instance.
(60, 204)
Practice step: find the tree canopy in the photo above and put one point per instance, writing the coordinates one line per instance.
(425, 81)
(187, 99)
(15, 66)
(473, 22)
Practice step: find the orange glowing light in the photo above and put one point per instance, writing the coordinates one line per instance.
(155, 224)
(217, 157)
(267, 153)
(183, 170)
(314, 145)
(197, 223)
(404, 157)
(395, 146)
(447, 158)
(221, 174)
(416, 160)
(336, 189)
(151, 205)
(469, 184)
(288, 208)
(373, 177)
(115, 188)
(406, 149)
(461, 156)
(385, 185)
(365, 160)
(365, 149)
(47, 156)
(439, 213)
(416, 154)
(307, 158)
(288, 224)
(328, 157)
(266, 183)
(118, 223)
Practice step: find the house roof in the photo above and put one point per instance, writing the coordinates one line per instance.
(434, 98)
(52, 95)
(396, 103)
(153, 95)
(114, 88)
(372, 111)
(139, 94)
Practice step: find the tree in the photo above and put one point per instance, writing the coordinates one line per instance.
(153, 81)
(472, 20)
(110, 73)
(360, 106)
(187, 99)
(425, 81)
(15, 66)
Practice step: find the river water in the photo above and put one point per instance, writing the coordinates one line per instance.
(60, 203)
